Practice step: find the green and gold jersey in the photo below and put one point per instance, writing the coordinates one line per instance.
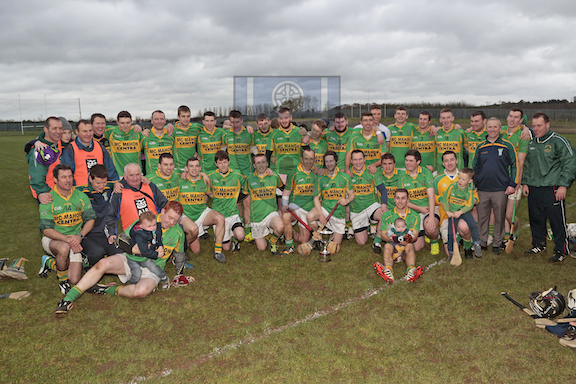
(369, 146)
(184, 143)
(66, 215)
(238, 146)
(338, 142)
(154, 146)
(192, 196)
(520, 145)
(225, 191)
(208, 144)
(412, 219)
(262, 141)
(172, 241)
(451, 140)
(441, 184)
(331, 189)
(417, 186)
(425, 143)
(457, 198)
(287, 149)
(400, 141)
(391, 184)
(168, 185)
(301, 186)
(319, 149)
(262, 191)
(364, 190)
(125, 147)
(474, 139)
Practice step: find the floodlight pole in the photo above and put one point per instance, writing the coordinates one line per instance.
(79, 109)
(20, 108)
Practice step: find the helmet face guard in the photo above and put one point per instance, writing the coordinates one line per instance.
(548, 304)
(46, 156)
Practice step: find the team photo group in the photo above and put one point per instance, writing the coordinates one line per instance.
(124, 199)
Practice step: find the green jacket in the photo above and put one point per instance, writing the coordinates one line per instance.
(550, 162)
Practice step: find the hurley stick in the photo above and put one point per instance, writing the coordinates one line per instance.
(456, 258)
(510, 245)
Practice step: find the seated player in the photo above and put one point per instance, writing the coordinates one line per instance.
(64, 223)
(146, 243)
(117, 265)
(412, 220)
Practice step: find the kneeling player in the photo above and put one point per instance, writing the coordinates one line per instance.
(412, 220)
(364, 207)
(334, 187)
(266, 223)
(192, 196)
(298, 195)
(225, 190)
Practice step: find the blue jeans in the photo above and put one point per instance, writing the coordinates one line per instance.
(136, 269)
(469, 219)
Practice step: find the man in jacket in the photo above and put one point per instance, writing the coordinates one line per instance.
(548, 173)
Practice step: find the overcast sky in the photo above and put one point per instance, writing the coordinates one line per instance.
(147, 55)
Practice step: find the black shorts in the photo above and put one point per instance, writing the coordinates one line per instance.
(95, 247)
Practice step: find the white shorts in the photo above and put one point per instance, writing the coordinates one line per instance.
(228, 224)
(261, 229)
(301, 213)
(200, 222)
(74, 257)
(146, 274)
(362, 219)
(444, 231)
(518, 195)
(335, 224)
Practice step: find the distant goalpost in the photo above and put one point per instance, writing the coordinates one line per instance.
(24, 110)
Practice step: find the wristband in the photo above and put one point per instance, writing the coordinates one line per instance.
(81, 236)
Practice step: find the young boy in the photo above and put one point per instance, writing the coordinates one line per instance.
(458, 202)
(397, 232)
(146, 242)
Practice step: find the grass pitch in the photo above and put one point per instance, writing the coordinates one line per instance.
(261, 318)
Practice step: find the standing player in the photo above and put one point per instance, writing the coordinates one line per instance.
(209, 142)
(225, 189)
(418, 182)
(367, 142)
(331, 188)
(84, 152)
(378, 127)
(165, 178)
(158, 141)
(337, 139)
(298, 195)
(98, 122)
(401, 133)
(192, 196)
(548, 172)
(317, 141)
(476, 135)
(424, 141)
(364, 207)
(412, 220)
(513, 132)
(64, 223)
(266, 223)
(262, 139)
(125, 142)
(41, 172)
(449, 139)
(286, 145)
(185, 134)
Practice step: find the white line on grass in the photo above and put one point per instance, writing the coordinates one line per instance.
(269, 331)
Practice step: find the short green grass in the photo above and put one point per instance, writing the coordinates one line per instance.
(243, 321)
